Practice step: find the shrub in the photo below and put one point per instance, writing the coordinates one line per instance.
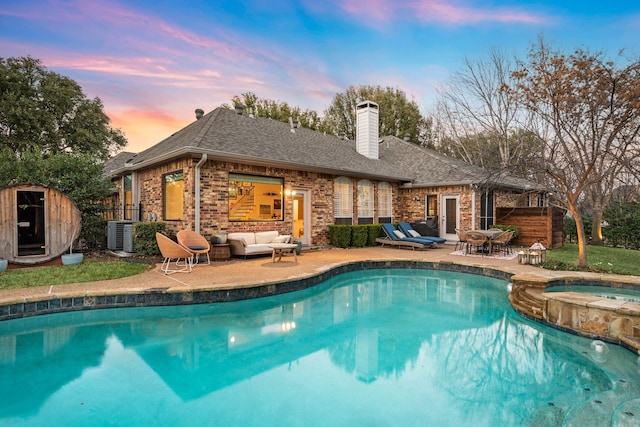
(144, 237)
(359, 235)
(340, 235)
(374, 231)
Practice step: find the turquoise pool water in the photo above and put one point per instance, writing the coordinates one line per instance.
(368, 348)
(629, 295)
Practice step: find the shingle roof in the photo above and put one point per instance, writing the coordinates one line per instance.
(222, 134)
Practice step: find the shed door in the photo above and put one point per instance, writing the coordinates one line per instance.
(31, 226)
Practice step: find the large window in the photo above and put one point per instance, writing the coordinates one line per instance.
(343, 200)
(486, 209)
(384, 202)
(173, 196)
(365, 202)
(255, 198)
(432, 205)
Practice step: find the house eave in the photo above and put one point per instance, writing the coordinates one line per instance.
(196, 152)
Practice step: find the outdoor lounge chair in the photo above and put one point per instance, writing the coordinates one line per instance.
(406, 228)
(171, 250)
(196, 244)
(395, 237)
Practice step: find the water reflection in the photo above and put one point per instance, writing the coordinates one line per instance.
(457, 333)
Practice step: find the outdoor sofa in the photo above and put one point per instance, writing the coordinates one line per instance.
(248, 243)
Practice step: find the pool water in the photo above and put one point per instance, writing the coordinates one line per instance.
(368, 348)
(619, 294)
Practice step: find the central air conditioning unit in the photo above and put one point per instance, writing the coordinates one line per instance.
(115, 234)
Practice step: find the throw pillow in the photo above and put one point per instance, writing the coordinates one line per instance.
(399, 234)
(414, 233)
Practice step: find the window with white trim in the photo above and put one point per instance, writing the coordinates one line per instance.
(365, 202)
(343, 200)
(384, 202)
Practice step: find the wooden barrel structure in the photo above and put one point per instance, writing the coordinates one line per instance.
(37, 223)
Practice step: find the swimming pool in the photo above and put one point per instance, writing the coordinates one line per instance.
(376, 347)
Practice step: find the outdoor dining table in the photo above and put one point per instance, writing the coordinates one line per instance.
(491, 234)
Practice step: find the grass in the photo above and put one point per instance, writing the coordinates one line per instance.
(89, 271)
(601, 259)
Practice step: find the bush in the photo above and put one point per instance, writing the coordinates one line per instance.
(144, 237)
(374, 231)
(340, 235)
(359, 235)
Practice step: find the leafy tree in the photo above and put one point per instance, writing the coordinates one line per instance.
(51, 134)
(280, 111)
(44, 112)
(79, 176)
(398, 116)
(592, 109)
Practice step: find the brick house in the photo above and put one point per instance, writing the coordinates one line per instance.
(229, 171)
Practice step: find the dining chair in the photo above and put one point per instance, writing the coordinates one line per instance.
(476, 240)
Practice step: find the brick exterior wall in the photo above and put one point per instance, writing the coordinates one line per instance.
(214, 200)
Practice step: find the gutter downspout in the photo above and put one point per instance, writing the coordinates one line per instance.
(473, 207)
(197, 201)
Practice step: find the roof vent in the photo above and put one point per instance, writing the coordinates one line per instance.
(199, 113)
(407, 137)
(239, 109)
(342, 135)
(295, 124)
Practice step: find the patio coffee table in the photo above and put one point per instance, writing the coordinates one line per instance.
(283, 248)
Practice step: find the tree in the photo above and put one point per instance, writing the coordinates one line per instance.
(280, 111)
(481, 123)
(398, 116)
(592, 107)
(51, 134)
(45, 112)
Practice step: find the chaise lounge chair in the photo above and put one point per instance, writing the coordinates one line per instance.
(395, 237)
(406, 228)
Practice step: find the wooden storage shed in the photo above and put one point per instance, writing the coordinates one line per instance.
(536, 224)
(37, 223)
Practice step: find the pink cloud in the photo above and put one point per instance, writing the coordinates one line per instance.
(437, 11)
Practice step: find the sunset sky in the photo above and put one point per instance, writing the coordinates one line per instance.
(152, 63)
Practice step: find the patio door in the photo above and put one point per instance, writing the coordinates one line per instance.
(301, 215)
(31, 226)
(450, 218)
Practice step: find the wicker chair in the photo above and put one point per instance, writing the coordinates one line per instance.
(476, 240)
(171, 250)
(462, 239)
(503, 241)
(196, 244)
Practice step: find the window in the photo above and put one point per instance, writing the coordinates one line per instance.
(432, 205)
(173, 196)
(365, 202)
(384, 202)
(126, 184)
(486, 209)
(255, 198)
(343, 200)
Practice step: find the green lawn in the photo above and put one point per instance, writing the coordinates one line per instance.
(601, 259)
(89, 271)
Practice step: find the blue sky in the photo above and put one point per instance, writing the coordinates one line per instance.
(152, 63)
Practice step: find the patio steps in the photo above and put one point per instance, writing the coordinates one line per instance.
(528, 301)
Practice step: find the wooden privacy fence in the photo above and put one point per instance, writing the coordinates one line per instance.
(535, 224)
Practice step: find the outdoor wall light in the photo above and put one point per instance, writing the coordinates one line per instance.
(416, 198)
